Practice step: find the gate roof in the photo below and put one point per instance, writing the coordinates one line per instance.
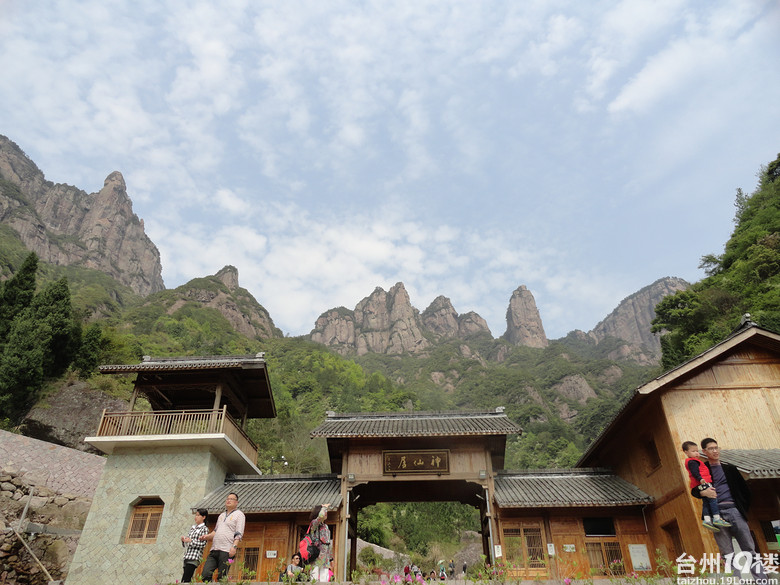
(416, 424)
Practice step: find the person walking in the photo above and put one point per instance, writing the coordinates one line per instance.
(320, 536)
(193, 545)
(224, 539)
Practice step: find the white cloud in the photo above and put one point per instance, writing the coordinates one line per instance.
(231, 202)
(461, 147)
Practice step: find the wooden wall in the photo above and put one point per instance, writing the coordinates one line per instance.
(273, 532)
(564, 529)
(736, 400)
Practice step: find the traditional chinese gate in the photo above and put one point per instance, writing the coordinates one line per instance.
(415, 457)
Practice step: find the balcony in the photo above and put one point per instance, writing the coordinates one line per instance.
(215, 429)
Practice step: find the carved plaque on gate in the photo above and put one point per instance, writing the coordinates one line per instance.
(416, 461)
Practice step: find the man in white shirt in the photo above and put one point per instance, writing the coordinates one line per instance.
(224, 539)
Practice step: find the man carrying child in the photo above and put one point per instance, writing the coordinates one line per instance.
(700, 478)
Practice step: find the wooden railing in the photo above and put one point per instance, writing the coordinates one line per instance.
(176, 422)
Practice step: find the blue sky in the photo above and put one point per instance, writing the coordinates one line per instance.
(583, 149)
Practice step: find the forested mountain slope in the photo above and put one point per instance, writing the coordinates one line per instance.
(745, 278)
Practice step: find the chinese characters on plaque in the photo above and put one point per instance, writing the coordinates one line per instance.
(423, 461)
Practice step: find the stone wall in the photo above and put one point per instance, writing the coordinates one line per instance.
(180, 477)
(48, 521)
(55, 484)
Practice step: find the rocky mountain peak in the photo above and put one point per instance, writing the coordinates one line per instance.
(66, 226)
(523, 322)
(441, 317)
(386, 322)
(116, 181)
(229, 277)
(631, 319)
(236, 304)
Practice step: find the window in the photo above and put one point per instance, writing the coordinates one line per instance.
(602, 548)
(145, 521)
(599, 526)
(525, 546)
(605, 558)
(247, 559)
(652, 458)
(675, 540)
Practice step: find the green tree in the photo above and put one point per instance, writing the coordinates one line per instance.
(744, 279)
(41, 343)
(374, 525)
(52, 310)
(21, 364)
(16, 294)
(89, 353)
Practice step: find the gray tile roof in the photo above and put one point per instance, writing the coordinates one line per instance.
(190, 383)
(755, 463)
(276, 493)
(416, 424)
(150, 364)
(564, 488)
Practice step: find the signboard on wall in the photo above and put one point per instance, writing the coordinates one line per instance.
(416, 461)
(639, 557)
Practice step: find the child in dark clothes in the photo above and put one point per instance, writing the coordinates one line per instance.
(700, 477)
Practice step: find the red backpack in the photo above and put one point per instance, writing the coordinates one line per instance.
(309, 551)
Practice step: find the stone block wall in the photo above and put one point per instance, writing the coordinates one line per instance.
(180, 477)
(55, 484)
(49, 522)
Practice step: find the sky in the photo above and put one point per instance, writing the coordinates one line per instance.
(582, 149)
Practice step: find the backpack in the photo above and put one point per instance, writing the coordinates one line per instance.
(309, 551)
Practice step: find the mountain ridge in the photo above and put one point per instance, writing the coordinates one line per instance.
(66, 226)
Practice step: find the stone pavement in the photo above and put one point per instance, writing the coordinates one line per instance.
(61, 469)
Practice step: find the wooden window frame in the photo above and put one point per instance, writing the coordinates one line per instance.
(532, 546)
(147, 513)
(652, 456)
(609, 550)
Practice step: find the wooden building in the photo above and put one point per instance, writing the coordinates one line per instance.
(730, 393)
(627, 499)
(576, 523)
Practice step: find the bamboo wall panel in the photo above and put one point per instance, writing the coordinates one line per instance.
(750, 368)
(743, 419)
(631, 525)
(572, 565)
(685, 510)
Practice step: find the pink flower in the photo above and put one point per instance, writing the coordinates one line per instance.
(567, 581)
(231, 561)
